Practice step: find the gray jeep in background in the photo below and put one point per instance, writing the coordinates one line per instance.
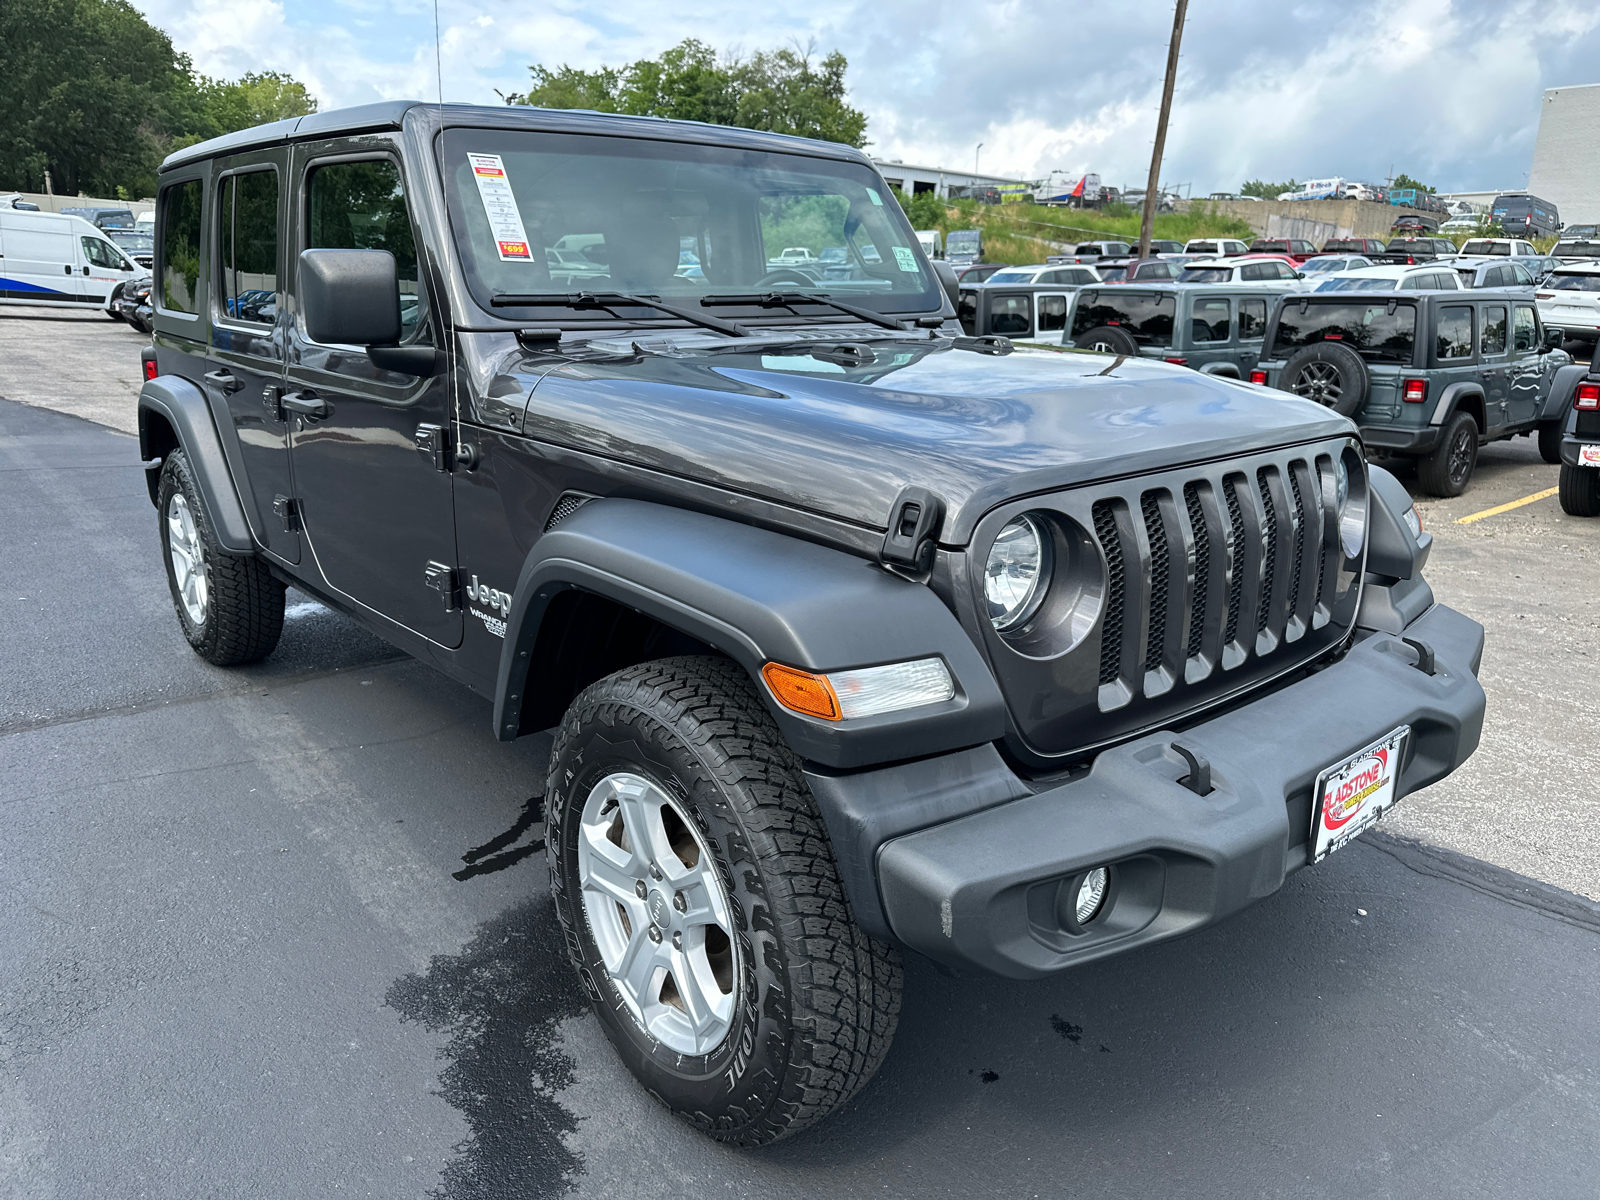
(1213, 328)
(1426, 375)
(858, 637)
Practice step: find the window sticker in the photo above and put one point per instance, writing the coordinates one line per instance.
(906, 259)
(876, 199)
(505, 221)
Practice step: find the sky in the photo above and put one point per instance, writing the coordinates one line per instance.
(1447, 91)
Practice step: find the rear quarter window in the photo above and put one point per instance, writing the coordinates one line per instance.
(181, 205)
(1453, 334)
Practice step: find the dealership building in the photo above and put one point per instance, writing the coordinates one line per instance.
(1566, 157)
(913, 181)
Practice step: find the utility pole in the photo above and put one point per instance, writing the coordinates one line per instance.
(1152, 193)
(975, 154)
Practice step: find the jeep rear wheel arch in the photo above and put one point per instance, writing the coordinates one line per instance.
(172, 415)
(757, 596)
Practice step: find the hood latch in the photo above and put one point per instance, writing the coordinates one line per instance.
(913, 536)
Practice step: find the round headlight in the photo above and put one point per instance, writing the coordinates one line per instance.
(1018, 572)
(1351, 505)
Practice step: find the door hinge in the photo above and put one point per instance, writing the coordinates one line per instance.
(446, 582)
(433, 443)
(287, 509)
(913, 535)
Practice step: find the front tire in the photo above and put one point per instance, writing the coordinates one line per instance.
(702, 906)
(1580, 491)
(230, 606)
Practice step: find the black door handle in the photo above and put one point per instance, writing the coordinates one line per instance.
(304, 403)
(86, 270)
(67, 269)
(224, 380)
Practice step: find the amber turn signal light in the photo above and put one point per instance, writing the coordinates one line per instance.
(802, 691)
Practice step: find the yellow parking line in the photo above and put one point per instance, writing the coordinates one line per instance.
(1500, 508)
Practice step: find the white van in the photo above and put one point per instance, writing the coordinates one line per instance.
(59, 261)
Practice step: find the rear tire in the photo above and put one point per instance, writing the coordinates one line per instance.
(1580, 491)
(1447, 470)
(789, 1007)
(229, 606)
(1550, 443)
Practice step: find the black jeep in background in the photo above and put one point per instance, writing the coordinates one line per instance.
(1426, 375)
(858, 637)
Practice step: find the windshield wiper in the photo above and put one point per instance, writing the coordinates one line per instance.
(612, 300)
(790, 299)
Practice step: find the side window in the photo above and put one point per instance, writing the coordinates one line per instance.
(1524, 331)
(1010, 314)
(247, 265)
(101, 254)
(180, 246)
(1454, 337)
(1285, 271)
(1210, 323)
(361, 206)
(1520, 275)
(1252, 318)
(1052, 313)
(1494, 331)
(1252, 273)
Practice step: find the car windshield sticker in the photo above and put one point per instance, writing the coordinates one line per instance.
(876, 199)
(906, 259)
(505, 222)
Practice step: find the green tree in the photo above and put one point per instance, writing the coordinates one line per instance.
(783, 91)
(1267, 191)
(93, 93)
(925, 210)
(1403, 180)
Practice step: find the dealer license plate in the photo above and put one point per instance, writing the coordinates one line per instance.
(1589, 455)
(1352, 795)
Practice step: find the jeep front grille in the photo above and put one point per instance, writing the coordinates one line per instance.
(1214, 580)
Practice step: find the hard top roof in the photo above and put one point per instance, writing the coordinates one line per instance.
(392, 114)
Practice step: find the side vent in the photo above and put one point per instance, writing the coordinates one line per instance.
(569, 503)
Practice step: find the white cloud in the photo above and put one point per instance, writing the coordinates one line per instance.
(1445, 89)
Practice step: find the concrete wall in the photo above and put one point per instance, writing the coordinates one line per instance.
(1272, 218)
(1566, 156)
(57, 203)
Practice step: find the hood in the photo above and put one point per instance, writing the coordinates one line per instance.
(800, 425)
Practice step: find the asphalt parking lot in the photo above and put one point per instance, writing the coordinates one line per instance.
(284, 930)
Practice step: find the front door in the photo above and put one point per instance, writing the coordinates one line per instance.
(244, 368)
(372, 484)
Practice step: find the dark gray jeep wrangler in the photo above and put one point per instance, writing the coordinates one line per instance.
(859, 637)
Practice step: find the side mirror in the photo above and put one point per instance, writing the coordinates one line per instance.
(1553, 339)
(947, 279)
(1299, 274)
(350, 297)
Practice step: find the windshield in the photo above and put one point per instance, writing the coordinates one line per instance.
(1577, 250)
(133, 242)
(1012, 277)
(1206, 275)
(1382, 330)
(1327, 264)
(536, 214)
(1356, 283)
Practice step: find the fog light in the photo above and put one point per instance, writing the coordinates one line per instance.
(1092, 894)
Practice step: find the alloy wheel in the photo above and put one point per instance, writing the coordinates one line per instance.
(1320, 382)
(1461, 455)
(188, 558)
(659, 912)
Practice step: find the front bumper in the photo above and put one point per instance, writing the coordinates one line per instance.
(981, 892)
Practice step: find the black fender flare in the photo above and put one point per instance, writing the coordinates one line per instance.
(1226, 370)
(182, 406)
(1450, 399)
(1562, 389)
(758, 597)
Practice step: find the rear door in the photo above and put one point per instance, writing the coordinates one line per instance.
(372, 479)
(244, 369)
(1494, 340)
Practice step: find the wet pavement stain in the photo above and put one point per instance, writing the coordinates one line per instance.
(497, 853)
(500, 1000)
(1072, 1033)
(989, 1077)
